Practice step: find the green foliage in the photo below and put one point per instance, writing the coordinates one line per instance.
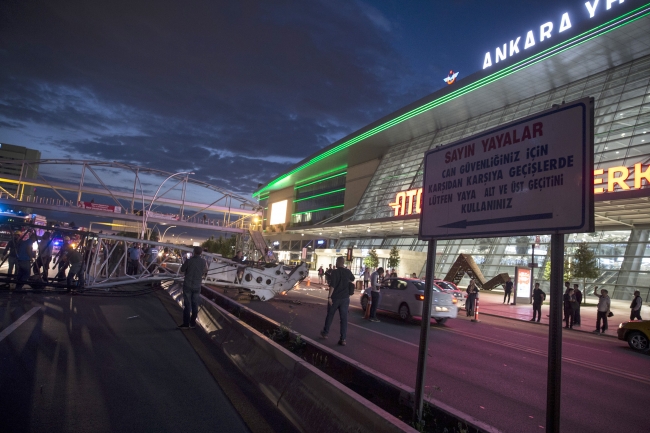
(394, 258)
(221, 245)
(153, 236)
(585, 264)
(372, 260)
(567, 270)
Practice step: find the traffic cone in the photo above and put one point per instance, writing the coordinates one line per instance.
(308, 281)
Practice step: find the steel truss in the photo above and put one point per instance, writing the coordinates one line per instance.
(107, 264)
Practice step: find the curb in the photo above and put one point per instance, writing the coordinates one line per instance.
(546, 324)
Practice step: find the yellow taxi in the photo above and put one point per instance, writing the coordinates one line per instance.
(636, 333)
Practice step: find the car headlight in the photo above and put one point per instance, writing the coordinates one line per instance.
(620, 325)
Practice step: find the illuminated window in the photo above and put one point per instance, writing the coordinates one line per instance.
(278, 212)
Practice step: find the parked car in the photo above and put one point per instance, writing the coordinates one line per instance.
(636, 333)
(404, 296)
(453, 289)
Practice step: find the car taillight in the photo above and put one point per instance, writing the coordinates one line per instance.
(419, 297)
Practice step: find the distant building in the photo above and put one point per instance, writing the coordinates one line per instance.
(12, 152)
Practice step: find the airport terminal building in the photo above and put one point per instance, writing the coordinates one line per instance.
(363, 191)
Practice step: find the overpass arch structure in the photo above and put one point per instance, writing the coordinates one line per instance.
(185, 201)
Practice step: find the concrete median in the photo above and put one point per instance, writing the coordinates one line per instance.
(312, 400)
(332, 392)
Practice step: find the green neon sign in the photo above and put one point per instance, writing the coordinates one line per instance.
(318, 210)
(319, 195)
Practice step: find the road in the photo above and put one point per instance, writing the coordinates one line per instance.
(494, 370)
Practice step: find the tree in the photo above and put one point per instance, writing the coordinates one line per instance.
(223, 246)
(567, 270)
(394, 258)
(372, 259)
(585, 265)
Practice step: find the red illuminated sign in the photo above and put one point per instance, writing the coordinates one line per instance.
(612, 179)
(616, 178)
(407, 202)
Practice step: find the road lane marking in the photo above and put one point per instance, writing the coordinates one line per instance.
(383, 335)
(592, 365)
(22, 319)
(543, 353)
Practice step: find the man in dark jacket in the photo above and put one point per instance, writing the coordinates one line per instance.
(75, 259)
(24, 256)
(10, 252)
(538, 299)
(194, 269)
(508, 290)
(338, 298)
(576, 305)
(635, 306)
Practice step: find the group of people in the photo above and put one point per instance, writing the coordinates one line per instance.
(572, 299)
(30, 261)
(139, 259)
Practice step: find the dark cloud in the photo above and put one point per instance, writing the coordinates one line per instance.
(237, 91)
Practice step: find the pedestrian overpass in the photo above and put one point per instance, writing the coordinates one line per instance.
(67, 185)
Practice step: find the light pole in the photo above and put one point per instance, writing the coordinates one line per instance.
(162, 238)
(179, 236)
(145, 214)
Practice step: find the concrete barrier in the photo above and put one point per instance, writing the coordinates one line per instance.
(392, 396)
(311, 400)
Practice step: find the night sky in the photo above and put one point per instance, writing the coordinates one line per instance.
(237, 91)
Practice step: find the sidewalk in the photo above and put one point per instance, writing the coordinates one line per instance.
(491, 303)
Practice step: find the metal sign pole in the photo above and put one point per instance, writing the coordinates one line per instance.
(554, 379)
(424, 332)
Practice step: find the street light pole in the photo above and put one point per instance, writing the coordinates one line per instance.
(145, 214)
(162, 238)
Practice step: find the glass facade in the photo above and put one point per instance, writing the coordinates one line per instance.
(622, 138)
(318, 200)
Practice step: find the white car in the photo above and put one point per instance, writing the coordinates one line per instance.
(405, 296)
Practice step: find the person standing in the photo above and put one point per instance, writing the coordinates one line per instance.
(10, 252)
(472, 296)
(366, 277)
(576, 307)
(75, 259)
(134, 259)
(44, 255)
(635, 306)
(321, 274)
(375, 294)
(24, 257)
(604, 305)
(338, 299)
(569, 301)
(61, 260)
(508, 291)
(328, 275)
(193, 268)
(538, 298)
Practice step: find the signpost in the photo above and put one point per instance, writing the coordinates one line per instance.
(531, 176)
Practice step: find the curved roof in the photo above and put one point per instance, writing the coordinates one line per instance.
(588, 48)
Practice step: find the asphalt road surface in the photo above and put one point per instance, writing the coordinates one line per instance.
(494, 370)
